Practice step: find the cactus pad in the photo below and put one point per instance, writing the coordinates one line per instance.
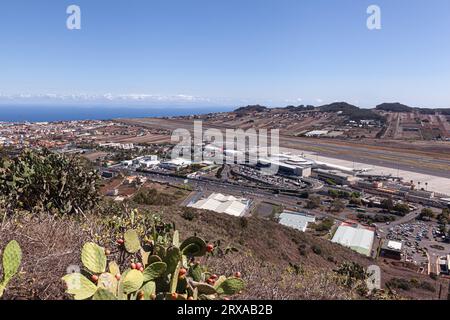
(172, 258)
(149, 288)
(196, 273)
(193, 247)
(230, 286)
(132, 281)
(93, 257)
(114, 268)
(132, 243)
(12, 256)
(108, 282)
(176, 239)
(205, 289)
(79, 286)
(154, 271)
(102, 294)
(153, 259)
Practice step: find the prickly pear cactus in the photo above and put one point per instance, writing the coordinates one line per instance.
(12, 257)
(166, 271)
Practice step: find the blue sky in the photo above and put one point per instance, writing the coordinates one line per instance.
(225, 52)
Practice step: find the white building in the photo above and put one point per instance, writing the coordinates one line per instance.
(296, 220)
(356, 237)
(148, 161)
(220, 203)
(176, 164)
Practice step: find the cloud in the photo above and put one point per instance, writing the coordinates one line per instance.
(107, 97)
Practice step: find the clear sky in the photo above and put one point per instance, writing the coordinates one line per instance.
(226, 52)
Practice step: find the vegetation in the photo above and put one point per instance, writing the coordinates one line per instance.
(387, 204)
(401, 208)
(406, 285)
(313, 202)
(325, 225)
(426, 214)
(375, 218)
(163, 269)
(12, 257)
(153, 197)
(337, 205)
(353, 112)
(394, 107)
(49, 181)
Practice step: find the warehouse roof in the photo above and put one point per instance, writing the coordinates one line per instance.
(296, 220)
(222, 204)
(356, 237)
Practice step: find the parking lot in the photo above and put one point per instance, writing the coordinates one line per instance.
(423, 244)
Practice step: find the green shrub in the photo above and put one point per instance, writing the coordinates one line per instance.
(48, 181)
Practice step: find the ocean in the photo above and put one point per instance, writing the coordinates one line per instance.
(67, 113)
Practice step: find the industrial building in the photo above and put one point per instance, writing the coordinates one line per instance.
(220, 203)
(296, 220)
(391, 249)
(149, 161)
(176, 164)
(356, 237)
(284, 167)
(338, 177)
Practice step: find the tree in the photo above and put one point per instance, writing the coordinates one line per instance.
(313, 202)
(402, 208)
(337, 205)
(355, 201)
(387, 204)
(333, 193)
(426, 214)
(325, 225)
(48, 181)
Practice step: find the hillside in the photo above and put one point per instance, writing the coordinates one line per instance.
(267, 254)
(394, 107)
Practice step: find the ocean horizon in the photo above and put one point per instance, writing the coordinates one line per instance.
(40, 113)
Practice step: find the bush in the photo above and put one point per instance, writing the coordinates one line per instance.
(48, 181)
(189, 214)
(325, 225)
(317, 249)
(152, 197)
(400, 283)
(313, 202)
